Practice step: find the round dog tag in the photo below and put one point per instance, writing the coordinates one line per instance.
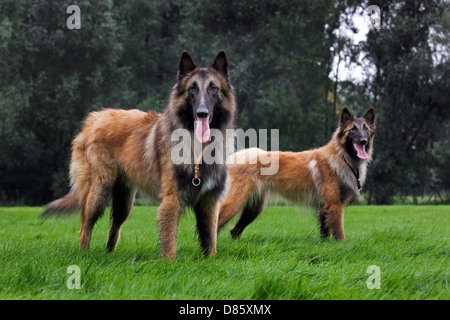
(196, 181)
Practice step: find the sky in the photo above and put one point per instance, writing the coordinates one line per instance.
(356, 72)
(347, 70)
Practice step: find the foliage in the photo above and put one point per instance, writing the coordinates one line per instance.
(408, 91)
(281, 56)
(51, 78)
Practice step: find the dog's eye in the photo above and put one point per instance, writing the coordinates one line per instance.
(212, 88)
(193, 88)
(353, 128)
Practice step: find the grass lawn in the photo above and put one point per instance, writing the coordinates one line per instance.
(279, 256)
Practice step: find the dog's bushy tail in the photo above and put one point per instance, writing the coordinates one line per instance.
(251, 210)
(68, 204)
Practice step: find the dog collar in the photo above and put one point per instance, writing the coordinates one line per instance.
(355, 173)
(196, 180)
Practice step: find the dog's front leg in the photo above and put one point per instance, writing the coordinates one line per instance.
(331, 220)
(168, 217)
(207, 214)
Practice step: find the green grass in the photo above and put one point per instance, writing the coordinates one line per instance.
(279, 256)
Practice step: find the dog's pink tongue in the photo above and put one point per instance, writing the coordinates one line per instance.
(361, 150)
(202, 131)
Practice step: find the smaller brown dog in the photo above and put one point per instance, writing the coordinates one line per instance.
(327, 178)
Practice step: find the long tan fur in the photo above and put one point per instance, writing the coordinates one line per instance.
(320, 178)
(119, 151)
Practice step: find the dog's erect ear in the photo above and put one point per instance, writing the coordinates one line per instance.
(370, 116)
(345, 117)
(220, 64)
(186, 64)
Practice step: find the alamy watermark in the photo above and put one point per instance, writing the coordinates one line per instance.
(74, 280)
(374, 280)
(375, 16)
(74, 21)
(221, 148)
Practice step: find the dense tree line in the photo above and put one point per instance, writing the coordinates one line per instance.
(281, 55)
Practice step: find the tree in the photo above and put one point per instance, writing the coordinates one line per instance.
(281, 57)
(51, 77)
(408, 92)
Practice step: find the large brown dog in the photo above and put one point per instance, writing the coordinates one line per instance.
(118, 151)
(327, 178)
